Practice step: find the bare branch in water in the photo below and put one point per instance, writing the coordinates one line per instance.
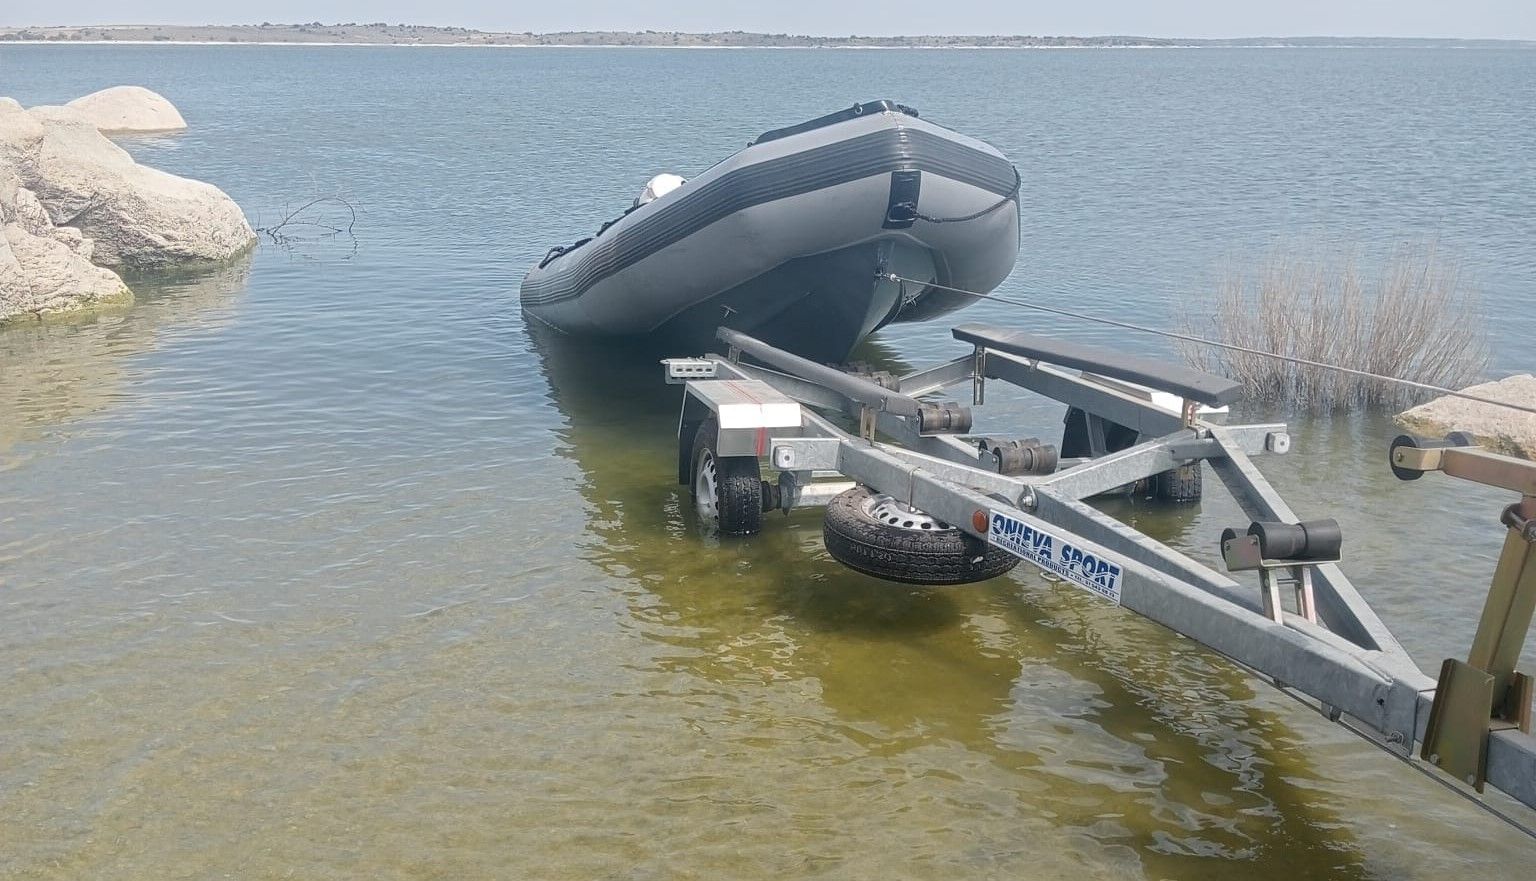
(321, 218)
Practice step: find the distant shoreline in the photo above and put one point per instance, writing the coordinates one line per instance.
(828, 47)
(914, 46)
(382, 34)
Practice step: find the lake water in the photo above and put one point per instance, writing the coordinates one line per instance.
(321, 565)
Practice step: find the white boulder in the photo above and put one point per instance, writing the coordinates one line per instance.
(72, 202)
(1498, 428)
(21, 136)
(138, 216)
(44, 270)
(40, 276)
(33, 218)
(129, 110)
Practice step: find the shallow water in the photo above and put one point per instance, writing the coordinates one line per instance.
(323, 563)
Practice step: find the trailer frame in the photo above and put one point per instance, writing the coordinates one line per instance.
(1330, 647)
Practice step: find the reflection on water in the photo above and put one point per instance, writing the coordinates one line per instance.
(59, 371)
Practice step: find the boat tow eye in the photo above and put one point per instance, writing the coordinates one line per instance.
(1283, 554)
(1485, 693)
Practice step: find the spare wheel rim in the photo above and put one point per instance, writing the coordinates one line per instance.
(888, 512)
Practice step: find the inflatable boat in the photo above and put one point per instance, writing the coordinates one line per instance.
(793, 240)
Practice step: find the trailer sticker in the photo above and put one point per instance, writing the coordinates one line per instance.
(1056, 555)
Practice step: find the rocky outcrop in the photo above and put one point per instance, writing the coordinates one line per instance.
(21, 136)
(46, 269)
(129, 110)
(70, 198)
(139, 216)
(1500, 429)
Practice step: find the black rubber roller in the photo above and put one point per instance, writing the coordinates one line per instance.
(946, 418)
(1025, 457)
(1454, 439)
(1309, 540)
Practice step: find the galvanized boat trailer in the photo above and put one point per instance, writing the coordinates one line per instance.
(1136, 419)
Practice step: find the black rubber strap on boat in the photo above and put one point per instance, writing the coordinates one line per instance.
(1018, 182)
(901, 208)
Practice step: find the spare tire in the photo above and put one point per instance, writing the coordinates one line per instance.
(872, 533)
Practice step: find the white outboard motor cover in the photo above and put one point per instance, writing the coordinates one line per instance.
(659, 186)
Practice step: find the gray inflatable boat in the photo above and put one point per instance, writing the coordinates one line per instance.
(791, 240)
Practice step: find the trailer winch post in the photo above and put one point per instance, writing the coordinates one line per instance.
(1485, 693)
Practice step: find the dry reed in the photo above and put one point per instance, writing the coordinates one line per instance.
(1415, 321)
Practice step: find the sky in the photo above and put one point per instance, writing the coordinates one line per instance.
(1506, 19)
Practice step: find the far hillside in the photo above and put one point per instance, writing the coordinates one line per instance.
(381, 33)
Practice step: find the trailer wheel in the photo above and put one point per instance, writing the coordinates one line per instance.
(872, 533)
(727, 490)
(1182, 484)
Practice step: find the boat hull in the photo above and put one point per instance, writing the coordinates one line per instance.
(793, 239)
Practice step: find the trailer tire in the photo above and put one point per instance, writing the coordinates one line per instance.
(1182, 484)
(937, 555)
(727, 490)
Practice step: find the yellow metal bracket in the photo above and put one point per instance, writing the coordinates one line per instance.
(1485, 693)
